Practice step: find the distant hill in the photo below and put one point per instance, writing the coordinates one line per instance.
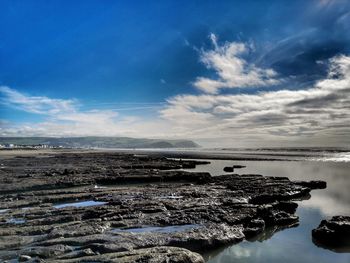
(99, 142)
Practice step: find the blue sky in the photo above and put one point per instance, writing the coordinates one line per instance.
(128, 67)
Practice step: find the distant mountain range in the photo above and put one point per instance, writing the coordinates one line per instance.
(99, 142)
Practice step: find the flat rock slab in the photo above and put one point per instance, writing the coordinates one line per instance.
(152, 255)
(108, 207)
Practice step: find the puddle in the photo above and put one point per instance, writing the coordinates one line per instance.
(99, 187)
(15, 221)
(170, 197)
(80, 204)
(27, 208)
(158, 229)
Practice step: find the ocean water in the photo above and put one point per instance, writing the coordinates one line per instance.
(292, 244)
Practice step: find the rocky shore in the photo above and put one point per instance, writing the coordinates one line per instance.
(117, 207)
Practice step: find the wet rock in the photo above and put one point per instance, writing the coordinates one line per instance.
(273, 217)
(286, 206)
(192, 164)
(47, 251)
(230, 169)
(282, 218)
(254, 227)
(23, 258)
(312, 184)
(109, 248)
(334, 232)
(152, 255)
(208, 237)
(238, 166)
(79, 228)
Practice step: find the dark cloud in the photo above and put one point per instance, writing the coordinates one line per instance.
(318, 102)
(320, 32)
(269, 119)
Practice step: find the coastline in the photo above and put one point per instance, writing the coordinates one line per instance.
(126, 191)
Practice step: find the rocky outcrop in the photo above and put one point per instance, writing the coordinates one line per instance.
(334, 233)
(230, 169)
(107, 207)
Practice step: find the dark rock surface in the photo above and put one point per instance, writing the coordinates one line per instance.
(230, 169)
(313, 184)
(109, 207)
(152, 255)
(333, 233)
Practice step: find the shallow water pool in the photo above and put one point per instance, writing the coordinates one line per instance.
(158, 229)
(80, 204)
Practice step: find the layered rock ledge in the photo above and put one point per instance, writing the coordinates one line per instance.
(109, 207)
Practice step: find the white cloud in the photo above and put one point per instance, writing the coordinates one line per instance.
(93, 116)
(35, 104)
(65, 118)
(54, 109)
(232, 70)
(318, 114)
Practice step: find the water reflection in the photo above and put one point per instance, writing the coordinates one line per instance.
(338, 249)
(331, 201)
(158, 229)
(80, 204)
(293, 244)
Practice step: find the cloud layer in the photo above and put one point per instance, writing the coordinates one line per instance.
(316, 115)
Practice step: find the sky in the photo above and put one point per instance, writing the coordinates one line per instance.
(222, 73)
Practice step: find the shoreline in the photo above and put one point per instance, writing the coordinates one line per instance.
(100, 205)
(159, 153)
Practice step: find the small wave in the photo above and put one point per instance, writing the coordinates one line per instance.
(339, 157)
